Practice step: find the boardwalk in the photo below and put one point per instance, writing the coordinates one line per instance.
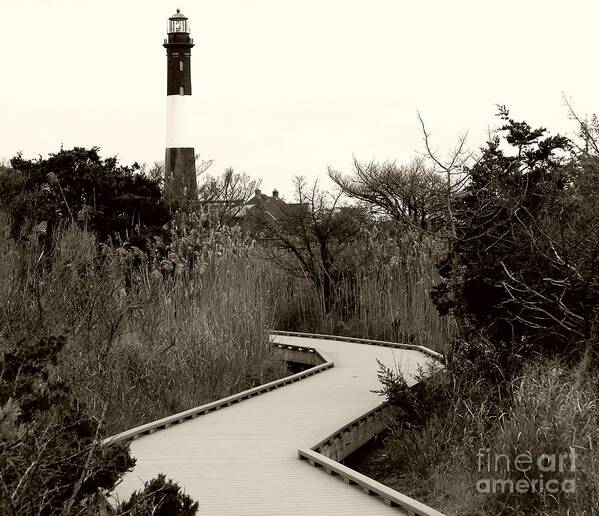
(243, 459)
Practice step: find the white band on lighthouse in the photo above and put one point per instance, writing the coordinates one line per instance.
(179, 122)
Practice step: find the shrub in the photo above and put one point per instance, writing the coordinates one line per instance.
(524, 270)
(114, 201)
(50, 458)
(159, 498)
(385, 297)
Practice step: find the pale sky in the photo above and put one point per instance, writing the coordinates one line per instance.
(287, 87)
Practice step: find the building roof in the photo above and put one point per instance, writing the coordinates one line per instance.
(271, 205)
(261, 197)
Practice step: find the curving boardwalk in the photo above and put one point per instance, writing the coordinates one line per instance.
(243, 459)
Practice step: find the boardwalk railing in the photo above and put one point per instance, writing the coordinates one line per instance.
(429, 352)
(350, 437)
(368, 485)
(165, 422)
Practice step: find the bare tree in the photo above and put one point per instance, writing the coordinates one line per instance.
(227, 195)
(411, 194)
(420, 195)
(454, 170)
(312, 237)
(588, 130)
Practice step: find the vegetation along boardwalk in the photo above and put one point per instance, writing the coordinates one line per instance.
(240, 455)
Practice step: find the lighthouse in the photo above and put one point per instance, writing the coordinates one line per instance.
(180, 182)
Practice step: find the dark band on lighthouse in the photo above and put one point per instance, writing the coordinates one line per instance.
(179, 163)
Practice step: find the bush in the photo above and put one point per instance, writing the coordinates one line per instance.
(524, 270)
(159, 498)
(114, 201)
(521, 278)
(50, 458)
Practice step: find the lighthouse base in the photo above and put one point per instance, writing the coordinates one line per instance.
(180, 183)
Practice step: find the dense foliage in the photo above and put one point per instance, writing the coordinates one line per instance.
(159, 498)
(50, 459)
(521, 278)
(523, 274)
(116, 202)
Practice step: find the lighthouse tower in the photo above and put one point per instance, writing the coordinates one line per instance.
(179, 163)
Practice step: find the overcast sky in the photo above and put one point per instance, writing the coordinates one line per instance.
(287, 87)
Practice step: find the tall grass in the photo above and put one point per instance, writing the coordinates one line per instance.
(387, 296)
(448, 462)
(146, 338)
(151, 334)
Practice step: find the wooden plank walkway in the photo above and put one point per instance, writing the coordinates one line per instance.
(243, 459)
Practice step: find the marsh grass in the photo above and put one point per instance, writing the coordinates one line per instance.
(149, 335)
(144, 341)
(386, 297)
(553, 410)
